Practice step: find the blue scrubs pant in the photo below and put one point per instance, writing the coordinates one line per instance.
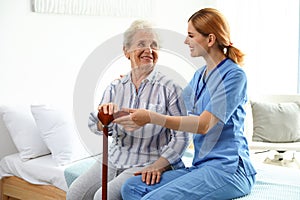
(204, 182)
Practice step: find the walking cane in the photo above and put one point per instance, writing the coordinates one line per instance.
(106, 119)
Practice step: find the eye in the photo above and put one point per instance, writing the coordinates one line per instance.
(190, 36)
(154, 45)
(141, 44)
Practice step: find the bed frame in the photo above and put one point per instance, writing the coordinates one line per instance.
(14, 188)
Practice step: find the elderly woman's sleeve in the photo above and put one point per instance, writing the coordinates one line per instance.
(93, 117)
(92, 123)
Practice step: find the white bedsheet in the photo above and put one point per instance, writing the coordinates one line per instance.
(42, 170)
(277, 174)
(274, 182)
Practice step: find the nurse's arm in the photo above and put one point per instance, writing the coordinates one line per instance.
(195, 124)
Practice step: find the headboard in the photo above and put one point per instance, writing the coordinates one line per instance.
(6, 144)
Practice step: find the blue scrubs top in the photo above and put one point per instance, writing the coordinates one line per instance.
(223, 92)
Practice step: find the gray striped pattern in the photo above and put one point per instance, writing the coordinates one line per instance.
(147, 144)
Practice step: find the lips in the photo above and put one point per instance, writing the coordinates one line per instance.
(147, 57)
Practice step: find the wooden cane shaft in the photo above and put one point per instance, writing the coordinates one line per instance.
(104, 163)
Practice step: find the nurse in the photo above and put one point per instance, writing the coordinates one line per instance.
(215, 99)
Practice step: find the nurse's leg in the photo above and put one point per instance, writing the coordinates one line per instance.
(204, 183)
(134, 188)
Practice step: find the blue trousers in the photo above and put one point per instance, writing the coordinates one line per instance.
(197, 183)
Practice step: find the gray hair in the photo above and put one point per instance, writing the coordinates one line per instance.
(134, 27)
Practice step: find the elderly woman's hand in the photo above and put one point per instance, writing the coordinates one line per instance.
(108, 108)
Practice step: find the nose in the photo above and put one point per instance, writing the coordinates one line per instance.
(186, 41)
(148, 49)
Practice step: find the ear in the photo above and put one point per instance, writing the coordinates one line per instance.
(126, 53)
(211, 39)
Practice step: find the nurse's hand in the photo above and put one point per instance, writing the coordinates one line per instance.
(127, 123)
(140, 116)
(136, 119)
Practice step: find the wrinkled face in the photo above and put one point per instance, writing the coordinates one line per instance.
(197, 42)
(143, 52)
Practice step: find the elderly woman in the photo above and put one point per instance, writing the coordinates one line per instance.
(152, 149)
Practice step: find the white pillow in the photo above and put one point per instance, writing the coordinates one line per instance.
(59, 133)
(23, 131)
(276, 122)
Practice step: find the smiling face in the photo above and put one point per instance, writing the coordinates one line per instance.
(197, 42)
(143, 51)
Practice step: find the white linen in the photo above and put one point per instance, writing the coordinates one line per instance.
(42, 170)
(58, 131)
(23, 131)
(277, 174)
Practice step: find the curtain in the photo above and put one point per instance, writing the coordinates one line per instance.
(119, 8)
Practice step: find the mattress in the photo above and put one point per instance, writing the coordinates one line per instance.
(43, 170)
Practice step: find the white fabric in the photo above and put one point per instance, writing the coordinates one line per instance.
(58, 131)
(276, 174)
(274, 182)
(42, 170)
(23, 131)
(121, 8)
(276, 122)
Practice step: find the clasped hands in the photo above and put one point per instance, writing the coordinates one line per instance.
(130, 119)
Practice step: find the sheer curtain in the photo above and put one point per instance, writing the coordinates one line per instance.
(117, 8)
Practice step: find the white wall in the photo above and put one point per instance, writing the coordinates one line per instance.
(41, 54)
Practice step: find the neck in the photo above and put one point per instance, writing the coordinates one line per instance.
(138, 75)
(212, 61)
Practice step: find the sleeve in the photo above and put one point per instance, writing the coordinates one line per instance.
(179, 141)
(93, 117)
(92, 123)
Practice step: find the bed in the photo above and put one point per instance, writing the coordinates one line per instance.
(28, 179)
(39, 168)
(275, 181)
(39, 178)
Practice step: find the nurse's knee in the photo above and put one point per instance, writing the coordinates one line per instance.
(129, 186)
(125, 189)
